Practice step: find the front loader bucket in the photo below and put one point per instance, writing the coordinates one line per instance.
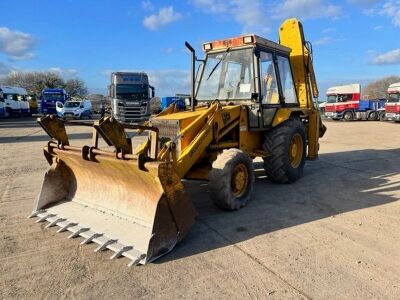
(140, 213)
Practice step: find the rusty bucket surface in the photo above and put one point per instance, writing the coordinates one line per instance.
(137, 213)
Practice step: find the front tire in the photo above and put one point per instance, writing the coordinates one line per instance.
(286, 144)
(231, 179)
(348, 116)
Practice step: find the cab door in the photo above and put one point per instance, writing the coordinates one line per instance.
(277, 88)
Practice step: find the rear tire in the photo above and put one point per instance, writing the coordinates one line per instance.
(382, 116)
(287, 146)
(373, 116)
(231, 179)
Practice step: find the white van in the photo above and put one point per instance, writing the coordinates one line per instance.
(74, 109)
(10, 98)
(22, 96)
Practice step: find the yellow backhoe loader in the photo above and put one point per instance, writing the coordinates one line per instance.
(251, 98)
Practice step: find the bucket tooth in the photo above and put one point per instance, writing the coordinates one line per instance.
(104, 242)
(64, 225)
(118, 249)
(43, 216)
(89, 236)
(135, 256)
(76, 231)
(53, 221)
(35, 213)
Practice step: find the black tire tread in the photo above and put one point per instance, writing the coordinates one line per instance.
(276, 141)
(220, 179)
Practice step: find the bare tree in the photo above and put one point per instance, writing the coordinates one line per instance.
(35, 82)
(377, 89)
(76, 88)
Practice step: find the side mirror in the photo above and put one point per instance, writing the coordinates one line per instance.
(255, 97)
(59, 105)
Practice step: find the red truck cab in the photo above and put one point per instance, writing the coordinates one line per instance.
(342, 101)
(392, 105)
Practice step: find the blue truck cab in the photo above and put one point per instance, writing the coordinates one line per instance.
(49, 98)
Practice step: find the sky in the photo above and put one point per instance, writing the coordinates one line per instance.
(354, 41)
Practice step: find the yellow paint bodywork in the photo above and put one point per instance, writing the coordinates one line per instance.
(291, 35)
(209, 129)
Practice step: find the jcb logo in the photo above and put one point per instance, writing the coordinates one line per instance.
(225, 117)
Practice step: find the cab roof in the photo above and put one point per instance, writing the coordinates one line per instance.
(243, 40)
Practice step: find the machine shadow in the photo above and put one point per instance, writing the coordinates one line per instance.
(336, 183)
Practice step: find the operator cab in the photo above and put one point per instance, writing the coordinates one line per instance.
(248, 70)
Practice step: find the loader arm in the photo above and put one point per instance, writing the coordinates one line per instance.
(204, 133)
(291, 35)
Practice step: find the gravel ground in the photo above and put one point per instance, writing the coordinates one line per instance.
(334, 234)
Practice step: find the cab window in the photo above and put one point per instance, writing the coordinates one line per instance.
(285, 74)
(269, 86)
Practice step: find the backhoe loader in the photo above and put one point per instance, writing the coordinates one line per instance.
(251, 98)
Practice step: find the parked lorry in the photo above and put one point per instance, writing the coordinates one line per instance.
(392, 105)
(131, 96)
(49, 98)
(15, 101)
(344, 102)
(254, 98)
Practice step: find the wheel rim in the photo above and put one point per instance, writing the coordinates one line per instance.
(296, 150)
(347, 116)
(239, 180)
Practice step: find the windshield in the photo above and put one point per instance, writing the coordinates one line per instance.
(393, 98)
(132, 91)
(71, 104)
(10, 96)
(331, 99)
(227, 75)
(53, 97)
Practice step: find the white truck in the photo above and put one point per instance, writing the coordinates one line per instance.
(15, 101)
(392, 105)
(132, 97)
